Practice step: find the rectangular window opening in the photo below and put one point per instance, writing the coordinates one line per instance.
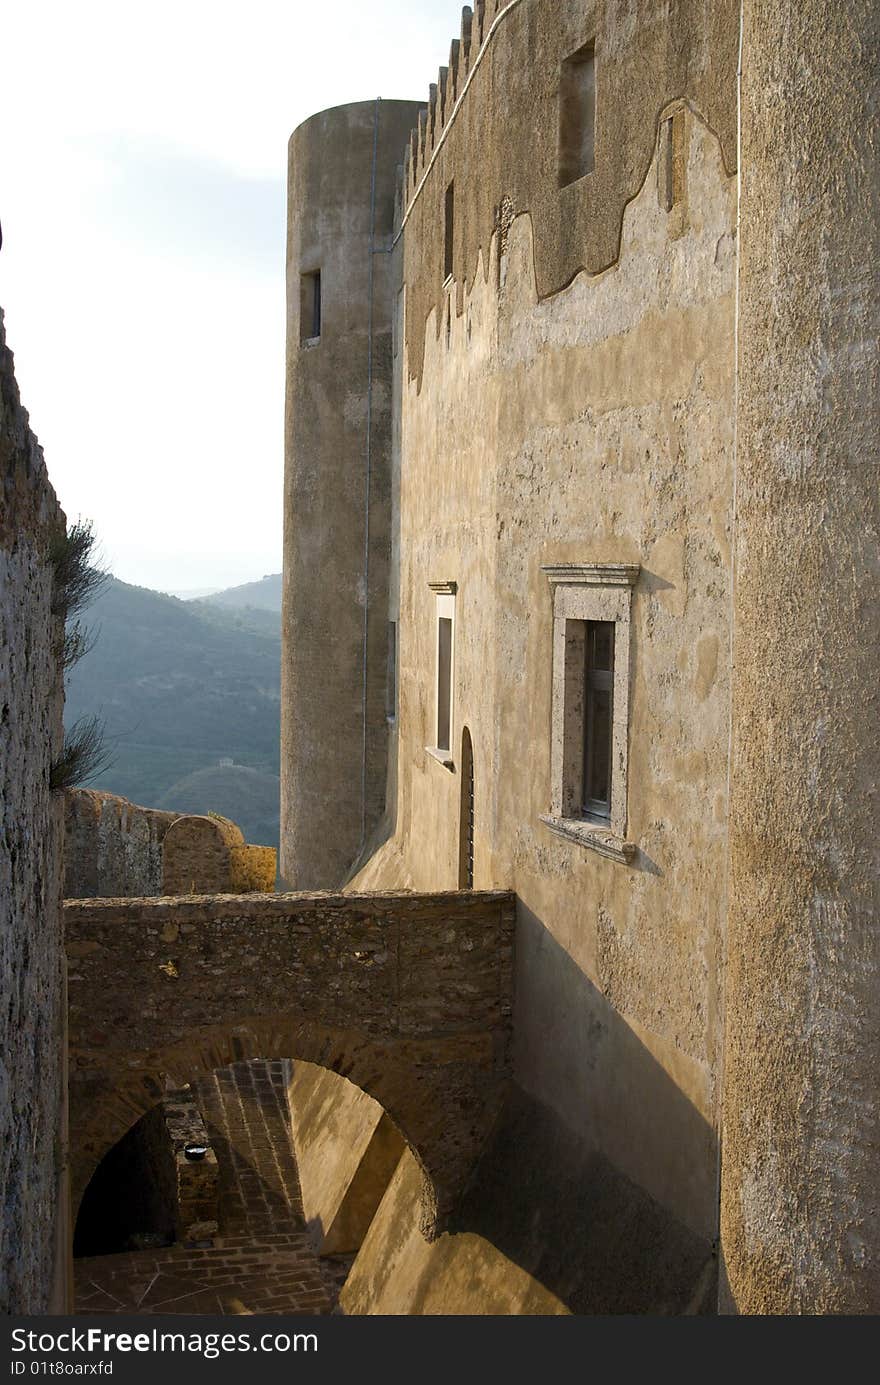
(666, 166)
(598, 717)
(590, 695)
(671, 161)
(391, 673)
(310, 306)
(444, 682)
(577, 115)
(449, 232)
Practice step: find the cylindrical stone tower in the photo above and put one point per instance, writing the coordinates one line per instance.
(800, 1228)
(337, 512)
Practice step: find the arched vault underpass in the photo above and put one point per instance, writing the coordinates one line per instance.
(406, 995)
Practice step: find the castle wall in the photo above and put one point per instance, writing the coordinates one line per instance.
(592, 425)
(209, 855)
(336, 494)
(112, 848)
(800, 1232)
(585, 373)
(33, 1222)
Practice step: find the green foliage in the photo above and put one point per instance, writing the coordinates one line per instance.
(78, 642)
(76, 579)
(83, 757)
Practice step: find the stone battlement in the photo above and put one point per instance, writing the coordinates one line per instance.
(464, 53)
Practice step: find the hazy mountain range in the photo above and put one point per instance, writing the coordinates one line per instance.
(264, 595)
(190, 695)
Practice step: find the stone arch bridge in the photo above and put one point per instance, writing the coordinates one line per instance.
(406, 995)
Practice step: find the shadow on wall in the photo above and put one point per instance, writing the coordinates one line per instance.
(557, 1206)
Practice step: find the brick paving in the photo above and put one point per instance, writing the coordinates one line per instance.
(245, 1110)
(263, 1261)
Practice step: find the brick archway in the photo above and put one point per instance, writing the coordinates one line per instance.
(407, 996)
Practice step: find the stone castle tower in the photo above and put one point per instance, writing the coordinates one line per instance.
(343, 169)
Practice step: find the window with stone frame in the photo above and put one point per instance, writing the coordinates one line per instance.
(590, 705)
(444, 672)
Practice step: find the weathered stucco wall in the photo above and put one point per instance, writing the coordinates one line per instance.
(570, 393)
(398, 1272)
(112, 848)
(592, 426)
(33, 1225)
(347, 1149)
(336, 491)
(800, 1224)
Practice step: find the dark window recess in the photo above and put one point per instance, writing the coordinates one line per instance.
(444, 682)
(666, 167)
(466, 826)
(449, 232)
(670, 165)
(391, 673)
(310, 306)
(577, 115)
(598, 716)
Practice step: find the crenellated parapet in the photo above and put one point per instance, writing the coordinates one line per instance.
(444, 93)
(497, 124)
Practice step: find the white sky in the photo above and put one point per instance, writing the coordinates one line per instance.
(142, 197)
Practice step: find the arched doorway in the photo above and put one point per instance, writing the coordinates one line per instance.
(200, 1207)
(466, 819)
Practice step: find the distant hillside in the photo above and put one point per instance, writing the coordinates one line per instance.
(248, 796)
(181, 686)
(191, 593)
(265, 595)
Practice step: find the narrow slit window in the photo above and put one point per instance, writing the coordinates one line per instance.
(577, 115)
(391, 673)
(466, 822)
(444, 683)
(444, 672)
(666, 168)
(598, 716)
(310, 306)
(449, 232)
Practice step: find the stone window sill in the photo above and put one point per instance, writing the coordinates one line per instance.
(444, 757)
(593, 835)
(308, 343)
